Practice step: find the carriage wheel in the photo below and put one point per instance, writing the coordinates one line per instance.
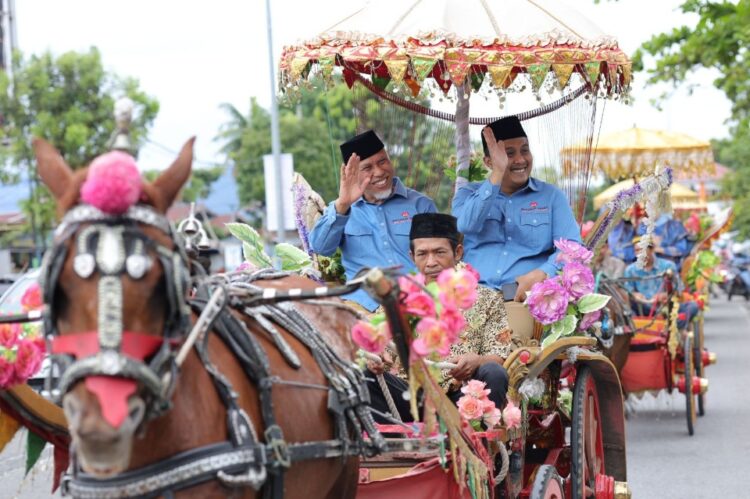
(586, 437)
(689, 397)
(698, 361)
(547, 484)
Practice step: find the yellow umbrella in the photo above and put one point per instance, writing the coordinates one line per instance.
(636, 152)
(681, 196)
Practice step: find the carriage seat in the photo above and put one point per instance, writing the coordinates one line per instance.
(520, 321)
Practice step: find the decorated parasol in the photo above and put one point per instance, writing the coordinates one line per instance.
(417, 54)
(636, 152)
(681, 197)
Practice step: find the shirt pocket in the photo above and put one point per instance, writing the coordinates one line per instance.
(359, 239)
(400, 235)
(493, 226)
(536, 229)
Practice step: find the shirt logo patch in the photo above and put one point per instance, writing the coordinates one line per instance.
(405, 214)
(533, 204)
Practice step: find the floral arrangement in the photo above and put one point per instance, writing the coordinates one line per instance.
(475, 406)
(22, 346)
(653, 192)
(476, 172)
(290, 257)
(434, 311)
(566, 303)
(703, 270)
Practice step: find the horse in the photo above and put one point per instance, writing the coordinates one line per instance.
(265, 403)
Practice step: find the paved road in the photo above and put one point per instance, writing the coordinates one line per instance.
(663, 461)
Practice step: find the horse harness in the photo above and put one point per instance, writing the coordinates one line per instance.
(117, 246)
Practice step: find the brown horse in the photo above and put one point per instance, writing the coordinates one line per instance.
(144, 437)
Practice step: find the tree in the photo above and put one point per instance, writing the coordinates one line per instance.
(720, 41)
(69, 101)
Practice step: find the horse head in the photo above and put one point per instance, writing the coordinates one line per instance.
(115, 282)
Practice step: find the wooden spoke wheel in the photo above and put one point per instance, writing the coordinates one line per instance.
(587, 445)
(547, 484)
(700, 369)
(690, 405)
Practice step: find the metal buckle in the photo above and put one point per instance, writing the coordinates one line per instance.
(277, 444)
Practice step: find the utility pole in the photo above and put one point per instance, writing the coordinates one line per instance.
(275, 136)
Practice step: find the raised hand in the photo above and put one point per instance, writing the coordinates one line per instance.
(498, 156)
(352, 186)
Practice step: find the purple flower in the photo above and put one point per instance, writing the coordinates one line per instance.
(589, 319)
(299, 193)
(548, 301)
(571, 251)
(577, 279)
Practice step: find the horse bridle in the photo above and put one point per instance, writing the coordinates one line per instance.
(115, 246)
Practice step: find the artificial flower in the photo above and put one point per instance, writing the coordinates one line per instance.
(476, 389)
(32, 298)
(9, 334)
(571, 251)
(548, 301)
(457, 287)
(511, 415)
(589, 319)
(433, 336)
(577, 279)
(372, 338)
(470, 407)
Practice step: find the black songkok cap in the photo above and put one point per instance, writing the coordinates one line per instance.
(504, 129)
(434, 225)
(365, 145)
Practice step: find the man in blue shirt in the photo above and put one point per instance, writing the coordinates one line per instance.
(620, 241)
(672, 239)
(647, 288)
(510, 221)
(371, 219)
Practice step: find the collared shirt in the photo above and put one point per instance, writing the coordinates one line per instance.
(508, 236)
(370, 234)
(671, 236)
(648, 287)
(620, 241)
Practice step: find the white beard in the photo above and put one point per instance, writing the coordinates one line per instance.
(382, 195)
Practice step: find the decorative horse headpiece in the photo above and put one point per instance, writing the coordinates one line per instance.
(105, 232)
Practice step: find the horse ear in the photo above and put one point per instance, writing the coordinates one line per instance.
(169, 183)
(53, 170)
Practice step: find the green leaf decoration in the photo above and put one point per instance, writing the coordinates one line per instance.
(34, 447)
(433, 289)
(292, 258)
(550, 338)
(252, 244)
(592, 302)
(377, 319)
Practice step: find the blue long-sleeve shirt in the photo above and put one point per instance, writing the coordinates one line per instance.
(673, 237)
(620, 241)
(508, 236)
(370, 234)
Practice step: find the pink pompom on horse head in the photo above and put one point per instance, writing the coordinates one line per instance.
(113, 183)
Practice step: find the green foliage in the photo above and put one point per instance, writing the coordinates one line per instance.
(291, 258)
(331, 268)
(199, 185)
(719, 40)
(592, 302)
(476, 172)
(69, 101)
(704, 266)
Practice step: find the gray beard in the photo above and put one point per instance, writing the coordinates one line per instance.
(382, 196)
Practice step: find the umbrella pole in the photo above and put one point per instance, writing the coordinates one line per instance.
(463, 139)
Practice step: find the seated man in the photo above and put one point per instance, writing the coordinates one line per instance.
(673, 239)
(610, 266)
(486, 341)
(371, 218)
(511, 220)
(648, 293)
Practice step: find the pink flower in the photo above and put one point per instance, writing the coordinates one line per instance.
(548, 301)
(420, 304)
(571, 251)
(511, 415)
(433, 336)
(468, 268)
(491, 416)
(32, 298)
(9, 334)
(28, 360)
(477, 389)
(113, 183)
(411, 283)
(371, 338)
(577, 279)
(470, 407)
(589, 319)
(7, 372)
(454, 320)
(458, 287)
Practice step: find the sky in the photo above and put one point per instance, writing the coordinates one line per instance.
(193, 56)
